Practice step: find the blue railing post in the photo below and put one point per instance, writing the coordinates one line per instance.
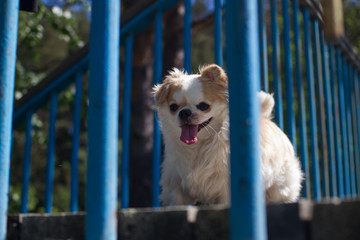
(335, 110)
(9, 11)
(50, 168)
(102, 165)
(276, 69)
(312, 109)
(355, 131)
(157, 133)
(344, 143)
(26, 163)
(187, 36)
(76, 144)
(263, 46)
(329, 118)
(319, 98)
(290, 113)
(218, 33)
(247, 212)
(357, 112)
(301, 101)
(125, 154)
(347, 91)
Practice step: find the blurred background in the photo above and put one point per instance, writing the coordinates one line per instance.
(55, 34)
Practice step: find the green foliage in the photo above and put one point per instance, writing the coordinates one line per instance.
(352, 22)
(45, 39)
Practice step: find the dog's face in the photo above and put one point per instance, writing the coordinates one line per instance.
(192, 107)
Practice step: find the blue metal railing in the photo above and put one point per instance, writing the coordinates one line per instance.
(242, 55)
(314, 68)
(125, 154)
(157, 79)
(76, 144)
(315, 173)
(8, 34)
(276, 70)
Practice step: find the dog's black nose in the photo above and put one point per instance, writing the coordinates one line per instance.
(185, 114)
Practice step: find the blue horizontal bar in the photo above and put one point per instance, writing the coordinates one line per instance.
(145, 18)
(138, 23)
(57, 85)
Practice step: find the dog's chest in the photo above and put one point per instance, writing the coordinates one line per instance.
(205, 176)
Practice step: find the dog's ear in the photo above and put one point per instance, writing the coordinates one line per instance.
(214, 73)
(160, 93)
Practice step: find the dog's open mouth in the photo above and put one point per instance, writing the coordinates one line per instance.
(189, 132)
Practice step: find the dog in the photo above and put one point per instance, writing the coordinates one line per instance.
(194, 118)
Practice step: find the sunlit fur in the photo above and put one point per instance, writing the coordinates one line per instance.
(200, 172)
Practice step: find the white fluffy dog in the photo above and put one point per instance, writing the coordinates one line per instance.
(194, 117)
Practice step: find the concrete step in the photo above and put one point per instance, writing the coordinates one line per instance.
(298, 221)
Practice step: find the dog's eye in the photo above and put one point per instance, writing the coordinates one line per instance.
(203, 106)
(173, 107)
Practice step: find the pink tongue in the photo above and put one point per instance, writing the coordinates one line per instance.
(188, 134)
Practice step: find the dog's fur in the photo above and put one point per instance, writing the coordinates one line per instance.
(196, 166)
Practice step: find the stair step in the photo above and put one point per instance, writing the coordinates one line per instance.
(298, 221)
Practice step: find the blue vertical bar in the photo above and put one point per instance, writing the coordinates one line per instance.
(321, 113)
(344, 144)
(51, 154)
(26, 163)
(312, 109)
(103, 111)
(330, 115)
(9, 11)
(187, 36)
(301, 101)
(347, 74)
(218, 33)
(125, 154)
(157, 133)
(275, 42)
(335, 109)
(74, 187)
(357, 111)
(263, 46)
(290, 113)
(247, 211)
(354, 130)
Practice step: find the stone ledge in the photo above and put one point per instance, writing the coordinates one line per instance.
(298, 221)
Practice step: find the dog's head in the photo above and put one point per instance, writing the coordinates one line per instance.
(189, 104)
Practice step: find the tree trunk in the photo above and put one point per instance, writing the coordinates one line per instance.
(141, 136)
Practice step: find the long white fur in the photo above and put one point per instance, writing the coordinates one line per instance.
(200, 172)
